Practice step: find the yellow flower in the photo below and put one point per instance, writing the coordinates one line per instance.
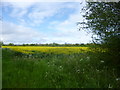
(47, 49)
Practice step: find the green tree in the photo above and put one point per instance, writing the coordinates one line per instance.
(11, 44)
(1, 43)
(103, 19)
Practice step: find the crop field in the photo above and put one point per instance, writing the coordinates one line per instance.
(58, 50)
(46, 49)
(56, 67)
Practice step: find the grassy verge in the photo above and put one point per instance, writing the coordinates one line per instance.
(42, 70)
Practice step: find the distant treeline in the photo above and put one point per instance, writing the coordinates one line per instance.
(51, 44)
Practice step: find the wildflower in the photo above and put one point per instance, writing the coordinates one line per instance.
(88, 58)
(30, 55)
(46, 74)
(102, 61)
(97, 70)
(109, 86)
(78, 71)
(60, 67)
(117, 79)
(83, 70)
(81, 59)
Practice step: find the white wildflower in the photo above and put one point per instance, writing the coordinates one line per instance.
(30, 55)
(78, 71)
(83, 70)
(88, 58)
(60, 67)
(102, 61)
(117, 79)
(97, 70)
(46, 74)
(109, 86)
(81, 59)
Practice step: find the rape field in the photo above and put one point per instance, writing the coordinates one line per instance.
(46, 49)
(56, 67)
(57, 50)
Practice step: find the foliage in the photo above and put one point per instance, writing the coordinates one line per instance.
(45, 70)
(50, 44)
(1, 43)
(103, 19)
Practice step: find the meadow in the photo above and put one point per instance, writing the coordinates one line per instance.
(57, 67)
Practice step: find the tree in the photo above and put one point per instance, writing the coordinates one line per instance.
(1, 43)
(11, 44)
(103, 19)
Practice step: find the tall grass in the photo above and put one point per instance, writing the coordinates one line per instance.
(50, 70)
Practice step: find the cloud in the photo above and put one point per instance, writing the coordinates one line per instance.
(19, 34)
(18, 13)
(41, 11)
(67, 30)
(34, 14)
(37, 12)
(22, 4)
(42, 0)
(70, 37)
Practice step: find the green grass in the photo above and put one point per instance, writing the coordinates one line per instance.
(42, 70)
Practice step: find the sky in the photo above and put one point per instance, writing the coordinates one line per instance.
(42, 22)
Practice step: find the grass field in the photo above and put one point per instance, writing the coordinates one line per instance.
(56, 67)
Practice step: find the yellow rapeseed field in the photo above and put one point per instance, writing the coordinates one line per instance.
(47, 49)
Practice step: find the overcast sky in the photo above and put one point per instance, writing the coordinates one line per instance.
(42, 22)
